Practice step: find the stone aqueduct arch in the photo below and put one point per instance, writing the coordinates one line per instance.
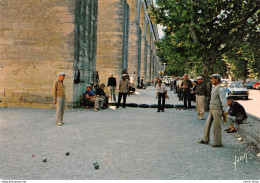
(148, 34)
(141, 59)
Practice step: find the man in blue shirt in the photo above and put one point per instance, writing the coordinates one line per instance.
(93, 98)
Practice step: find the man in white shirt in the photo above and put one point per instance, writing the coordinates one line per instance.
(218, 105)
(161, 93)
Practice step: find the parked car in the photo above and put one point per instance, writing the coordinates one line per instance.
(256, 84)
(237, 89)
(223, 83)
(250, 85)
(166, 80)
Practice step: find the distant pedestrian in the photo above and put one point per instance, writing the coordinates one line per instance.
(179, 89)
(236, 114)
(132, 84)
(156, 81)
(138, 82)
(161, 93)
(200, 97)
(142, 82)
(186, 86)
(175, 81)
(112, 85)
(171, 83)
(218, 106)
(123, 90)
(58, 93)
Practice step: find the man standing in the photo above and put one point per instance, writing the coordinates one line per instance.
(95, 99)
(58, 93)
(236, 114)
(179, 89)
(186, 86)
(200, 97)
(218, 105)
(161, 93)
(175, 84)
(123, 90)
(112, 85)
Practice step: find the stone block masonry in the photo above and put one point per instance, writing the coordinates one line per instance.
(112, 38)
(39, 39)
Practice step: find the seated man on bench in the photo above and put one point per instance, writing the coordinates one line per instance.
(98, 102)
(102, 94)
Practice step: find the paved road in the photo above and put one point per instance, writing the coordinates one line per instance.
(252, 105)
(131, 143)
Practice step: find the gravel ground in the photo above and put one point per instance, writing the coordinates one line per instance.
(130, 143)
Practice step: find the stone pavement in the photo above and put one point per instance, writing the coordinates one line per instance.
(130, 143)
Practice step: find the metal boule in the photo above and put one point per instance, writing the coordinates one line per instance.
(96, 165)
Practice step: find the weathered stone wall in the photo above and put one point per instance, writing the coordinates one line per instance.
(112, 38)
(37, 41)
(85, 45)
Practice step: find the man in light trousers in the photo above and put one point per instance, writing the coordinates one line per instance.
(218, 106)
(112, 85)
(59, 98)
(200, 97)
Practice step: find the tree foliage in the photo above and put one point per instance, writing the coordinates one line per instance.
(199, 32)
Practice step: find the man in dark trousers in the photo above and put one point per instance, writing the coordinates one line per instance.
(186, 86)
(161, 93)
(123, 90)
(112, 85)
(236, 114)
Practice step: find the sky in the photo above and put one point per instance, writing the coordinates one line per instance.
(161, 34)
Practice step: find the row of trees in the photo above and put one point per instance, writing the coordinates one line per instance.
(209, 36)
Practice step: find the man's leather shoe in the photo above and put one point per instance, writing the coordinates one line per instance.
(217, 145)
(202, 142)
(158, 111)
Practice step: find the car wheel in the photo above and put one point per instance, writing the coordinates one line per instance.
(246, 98)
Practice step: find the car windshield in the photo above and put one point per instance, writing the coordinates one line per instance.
(236, 85)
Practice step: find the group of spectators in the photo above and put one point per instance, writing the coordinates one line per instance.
(219, 105)
(101, 99)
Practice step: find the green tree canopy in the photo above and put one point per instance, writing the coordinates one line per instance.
(199, 32)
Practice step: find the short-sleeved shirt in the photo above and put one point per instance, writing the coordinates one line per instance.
(161, 89)
(90, 93)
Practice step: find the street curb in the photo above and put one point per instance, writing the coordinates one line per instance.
(177, 106)
(250, 135)
(252, 116)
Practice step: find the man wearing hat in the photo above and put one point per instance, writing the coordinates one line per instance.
(58, 93)
(111, 83)
(218, 105)
(200, 97)
(123, 90)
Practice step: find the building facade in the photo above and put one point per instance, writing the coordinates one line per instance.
(39, 39)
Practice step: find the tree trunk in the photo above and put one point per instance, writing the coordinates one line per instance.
(207, 69)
